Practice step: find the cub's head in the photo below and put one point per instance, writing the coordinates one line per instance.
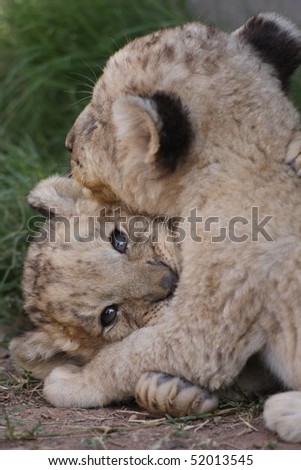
(182, 99)
(91, 276)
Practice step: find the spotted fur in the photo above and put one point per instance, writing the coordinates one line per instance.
(234, 299)
(72, 273)
(67, 282)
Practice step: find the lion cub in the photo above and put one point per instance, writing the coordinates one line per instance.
(196, 123)
(89, 280)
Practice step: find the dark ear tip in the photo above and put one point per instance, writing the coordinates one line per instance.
(283, 22)
(176, 134)
(265, 23)
(277, 40)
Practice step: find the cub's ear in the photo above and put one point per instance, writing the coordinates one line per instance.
(276, 40)
(156, 128)
(36, 352)
(56, 195)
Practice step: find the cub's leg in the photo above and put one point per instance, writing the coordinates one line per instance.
(206, 339)
(114, 373)
(282, 414)
(165, 394)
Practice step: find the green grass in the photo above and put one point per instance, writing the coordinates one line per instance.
(296, 89)
(51, 52)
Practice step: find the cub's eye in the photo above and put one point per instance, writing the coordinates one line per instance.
(119, 241)
(108, 315)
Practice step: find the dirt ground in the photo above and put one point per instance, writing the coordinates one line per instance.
(28, 422)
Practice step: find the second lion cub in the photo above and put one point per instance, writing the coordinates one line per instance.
(88, 281)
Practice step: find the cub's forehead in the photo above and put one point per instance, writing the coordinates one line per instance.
(163, 57)
(195, 56)
(171, 42)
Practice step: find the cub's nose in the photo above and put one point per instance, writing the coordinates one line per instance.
(69, 142)
(169, 282)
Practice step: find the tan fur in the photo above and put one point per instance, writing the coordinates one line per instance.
(161, 393)
(233, 299)
(60, 281)
(68, 282)
(168, 394)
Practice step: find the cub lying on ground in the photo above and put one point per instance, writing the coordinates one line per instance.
(82, 260)
(88, 283)
(193, 122)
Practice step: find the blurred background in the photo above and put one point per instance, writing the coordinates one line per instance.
(51, 53)
(234, 12)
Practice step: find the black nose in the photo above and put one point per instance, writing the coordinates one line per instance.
(169, 281)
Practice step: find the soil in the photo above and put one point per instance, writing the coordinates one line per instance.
(29, 422)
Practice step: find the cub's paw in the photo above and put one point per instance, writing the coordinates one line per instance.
(164, 394)
(282, 414)
(67, 386)
(293, 154)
